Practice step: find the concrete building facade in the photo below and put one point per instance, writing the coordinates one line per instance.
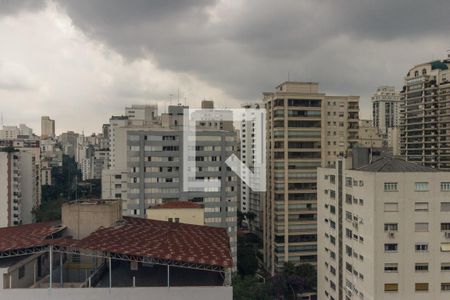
(47, 127)
(385, 108)
(425, 114)
(306, 129)
(383, 231)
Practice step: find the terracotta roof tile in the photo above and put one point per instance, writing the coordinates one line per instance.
(177, 204)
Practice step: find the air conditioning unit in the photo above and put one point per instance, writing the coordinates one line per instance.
(391, 234)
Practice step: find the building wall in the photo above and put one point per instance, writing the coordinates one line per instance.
(185, 215)
(306, 129)
(83, 218)
(366, 219)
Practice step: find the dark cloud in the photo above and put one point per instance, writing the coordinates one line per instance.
(246, 47)
(9, 7)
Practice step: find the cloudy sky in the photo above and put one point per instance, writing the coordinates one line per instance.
(81, 61)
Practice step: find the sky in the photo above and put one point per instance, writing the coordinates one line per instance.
(81, 61)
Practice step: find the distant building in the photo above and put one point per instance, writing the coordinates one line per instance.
(250, 201)
(369, 135)
(19, 187)
(178, 211)
(69, 143)
(386, 109)
(425, 114)
(16, 133)
(384, 231)
(47, 128)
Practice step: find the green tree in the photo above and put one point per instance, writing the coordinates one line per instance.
(249, 288)
(250, 216)
(247, 261)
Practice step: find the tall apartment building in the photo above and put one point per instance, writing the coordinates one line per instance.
(250, 201)
(386, 108)
(306, 129)
(425, 115)
(18, 187)
(47, 127)
(383, 231)
(148, 167)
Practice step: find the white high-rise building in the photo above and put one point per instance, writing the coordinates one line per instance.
(386, 108)
(14, 132)
(384, 231)
(250, 201)
(19, 187)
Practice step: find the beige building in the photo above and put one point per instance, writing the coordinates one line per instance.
(179, 212)
(383, 231)
(369, 136)
(306, 129)
(47, 127)
(425, 114)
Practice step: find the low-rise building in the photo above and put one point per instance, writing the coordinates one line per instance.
(178, 211)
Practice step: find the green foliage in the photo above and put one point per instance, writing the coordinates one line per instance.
(66, 186)
(249, 288)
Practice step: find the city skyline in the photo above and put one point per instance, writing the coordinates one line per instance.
(86, 60)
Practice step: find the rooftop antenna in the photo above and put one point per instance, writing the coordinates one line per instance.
(178, 96)
(2, 120)
(289, 76)
(170, 98)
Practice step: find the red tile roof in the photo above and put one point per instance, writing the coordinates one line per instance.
(27, 236)
(161, 240)
(177, 204)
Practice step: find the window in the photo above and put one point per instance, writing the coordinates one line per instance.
(21, 272)
(421, 227)
(421, 247)
(391, 267)
(390, 207)
(361, 183)
(390, 186)
(391, 227)
(445, 267)
(445, 286)
(421, 267)
(421, 186)
(421, 287)
(445, 226)
(445, 206)
(177, 220)
(391, 287)
(445, 247)
(421, 206)
(390, 247)
(445, 186)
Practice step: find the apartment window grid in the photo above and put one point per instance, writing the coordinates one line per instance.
(421, 186)
(390, 186)
(445, 186)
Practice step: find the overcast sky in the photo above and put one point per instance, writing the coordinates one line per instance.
(81, 61)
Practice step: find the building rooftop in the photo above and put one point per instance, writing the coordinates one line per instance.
(176, 204)
(159, 240)
(392, 164)
(27, 236)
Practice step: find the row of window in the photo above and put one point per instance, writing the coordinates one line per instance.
(419, 226)
(418, 267)
(419, 186)
(418, 206)
(419, 247)
(419, 287)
